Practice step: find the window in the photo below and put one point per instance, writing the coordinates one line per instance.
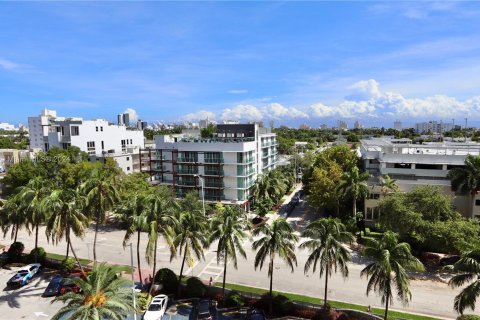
(128, 168)
(374, 196)
(96, 128)
(131, 141)
(477, 202)
(91, 147)
(128, 158)
(101, 128)
(371, 214)
(103, 145)
(74, 131)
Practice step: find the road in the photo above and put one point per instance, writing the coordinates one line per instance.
(429, 297)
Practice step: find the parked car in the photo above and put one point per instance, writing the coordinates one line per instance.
(156, 308)
(24, 275)
(257, 314)
(53, 288)
(68, 285)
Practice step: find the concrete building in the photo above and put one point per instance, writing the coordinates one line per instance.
(98, 138)
(12, 156)
(433, 127)
(342, 125)
(357, 125)
(414, 165)
(397, 125)
(226, 165)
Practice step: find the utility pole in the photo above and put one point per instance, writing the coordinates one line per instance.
(466, 119)
(133, 284)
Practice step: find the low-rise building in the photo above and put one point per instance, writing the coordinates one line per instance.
(226, 165)
(412, 165)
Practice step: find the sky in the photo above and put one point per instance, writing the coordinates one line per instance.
(291, 62)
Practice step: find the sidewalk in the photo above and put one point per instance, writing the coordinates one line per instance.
(286, 200)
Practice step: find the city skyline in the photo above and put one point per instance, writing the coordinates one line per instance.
(289, 62)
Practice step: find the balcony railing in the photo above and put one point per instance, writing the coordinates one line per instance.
(213, 160)
(214, 184)
(213, 172)
(187, 159)
(187, 183)
(187, 171)
(245, 172)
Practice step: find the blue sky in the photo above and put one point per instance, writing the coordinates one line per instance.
(292, 62)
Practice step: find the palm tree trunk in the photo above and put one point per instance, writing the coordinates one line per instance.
(386, 307)
(225, 257)
(95, 238)
(36, 242)
(326, 289)
(16, 232)
(354, 207)
(75, 255)
(138, 259)
(68, 242)
(181, 272)
(154, 264)
(270, 306)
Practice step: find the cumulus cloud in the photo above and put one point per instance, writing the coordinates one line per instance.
(364, 90)
(132, 113)
(200, 115)
(244, 112)
(366, 100)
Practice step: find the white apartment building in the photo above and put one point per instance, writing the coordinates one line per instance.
(433, 127)
(226, 166)
(413, 165)
(397, 125)
(98, 138)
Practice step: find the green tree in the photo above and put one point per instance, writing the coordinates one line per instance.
(388, 271)
(161, 208)
(355, 185)
(101, 195)
(468, 269)
(31, 197)
(467, 179)
(103, 295)
(326, 238)
(208, 131)
(228, 228)
(323, 187)
(279, 239)
(19, 174)
(271, 185)
(66, 216)
(191, 238)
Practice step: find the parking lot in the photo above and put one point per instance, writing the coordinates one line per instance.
(26, 302)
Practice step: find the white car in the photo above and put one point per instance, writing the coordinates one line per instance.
(24, 275)
(156, 308)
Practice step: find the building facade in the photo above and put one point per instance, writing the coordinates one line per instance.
(98, 138)
(226, 165)
(433, 127)
(412, 165)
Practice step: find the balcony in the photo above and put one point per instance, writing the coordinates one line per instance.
(213, 172)
(187, 183)
(216, 184)
(213, 160)
(186, 171)
(187, 159)
(245, 172)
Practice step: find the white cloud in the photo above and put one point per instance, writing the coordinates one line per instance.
(364, 90)
(278, 111)
(9, 65)
(238, 91)
(244, 112)
(200, 115)
(133, 114)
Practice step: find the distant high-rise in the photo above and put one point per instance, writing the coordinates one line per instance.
(357, 125)
(397, 125)
(324, 127)
(120, 119)
(433, 127)
(342, 125)
(141, 125)
(126, 119)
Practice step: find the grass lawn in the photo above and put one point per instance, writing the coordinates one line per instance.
(61, 257)
(336, 304)
(121, 268)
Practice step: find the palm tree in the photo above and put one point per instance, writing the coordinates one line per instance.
(161, 208)
(31, 197)
(12, 215)
(388, 185)
(389, 269)
(469, 268)
(66, 216)
(277, 238)
(228, 227)
(467, 179)
(269, 185)
(326, 248)
(190, 237)
(101, 195)
(355, 185)
(103, 295)
(134, 212)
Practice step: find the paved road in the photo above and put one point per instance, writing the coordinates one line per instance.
(429, 297)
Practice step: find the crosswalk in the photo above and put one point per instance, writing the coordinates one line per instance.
(213, 269)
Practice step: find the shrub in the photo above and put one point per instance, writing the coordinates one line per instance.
(167, 279)
(468, 317)
(143, 299)
(41, 255)
(67, 265)
(233, 299)
(281, 305)
(196, 288)
(15, 251)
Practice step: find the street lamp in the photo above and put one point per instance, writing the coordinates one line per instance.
(203, 191)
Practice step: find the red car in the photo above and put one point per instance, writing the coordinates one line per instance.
(67, 284)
